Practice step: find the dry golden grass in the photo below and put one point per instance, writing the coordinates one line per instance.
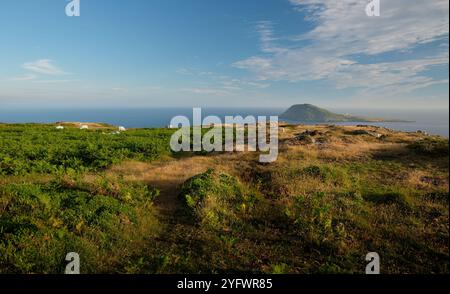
(319, 208)
(163, 175)
(348, 220)
(422, 179)
(167, 175)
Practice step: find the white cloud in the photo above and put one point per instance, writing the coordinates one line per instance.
(343, 31)
(183, 71)
(218, 84)
(206, 91)
(26, 77)
(267, 37)
(379, 75)
(43, 66)
(54, 81)
(402, 24)
(40, 68)
(119, 89)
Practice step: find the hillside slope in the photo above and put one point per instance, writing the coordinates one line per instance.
(127, 204)
(311, 113)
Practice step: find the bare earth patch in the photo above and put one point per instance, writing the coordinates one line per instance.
(166, 176)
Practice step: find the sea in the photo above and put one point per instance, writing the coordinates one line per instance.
(435, 122)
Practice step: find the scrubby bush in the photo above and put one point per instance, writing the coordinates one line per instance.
(217, 199)
(313, 215)
(41, 223)
(327, 173)
(437, 147)
(389, 197)
(42, 149)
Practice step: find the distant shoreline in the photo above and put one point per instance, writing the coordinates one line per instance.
(93, 126)
(350, 121)
(433, 122)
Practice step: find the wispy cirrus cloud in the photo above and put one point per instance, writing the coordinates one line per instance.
(43, 66)
(219, 84)
(26, 77)
(119, 89)
(39, 71)
(206, 91)
(344, 38)
(402, 24)
(54, 81)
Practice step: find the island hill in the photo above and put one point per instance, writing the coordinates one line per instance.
(313, 114)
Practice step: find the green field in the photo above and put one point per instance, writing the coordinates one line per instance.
(127, 204)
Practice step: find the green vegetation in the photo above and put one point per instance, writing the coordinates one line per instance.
(431, 146)
(126, 204)
(43, 149)
(41, 223)
(218, 200)
(48, 209)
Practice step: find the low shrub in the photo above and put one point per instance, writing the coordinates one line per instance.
(41, 223)
(437, 147)
(42, 149)
(217, 199)
(389, 197)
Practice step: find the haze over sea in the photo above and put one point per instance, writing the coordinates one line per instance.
(431, 121)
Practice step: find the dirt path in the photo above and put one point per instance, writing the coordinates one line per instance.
(176, 238)
(167, 176)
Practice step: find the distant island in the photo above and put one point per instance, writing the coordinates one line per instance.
(310, 113)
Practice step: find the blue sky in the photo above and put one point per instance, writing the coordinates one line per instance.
(233, 53)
